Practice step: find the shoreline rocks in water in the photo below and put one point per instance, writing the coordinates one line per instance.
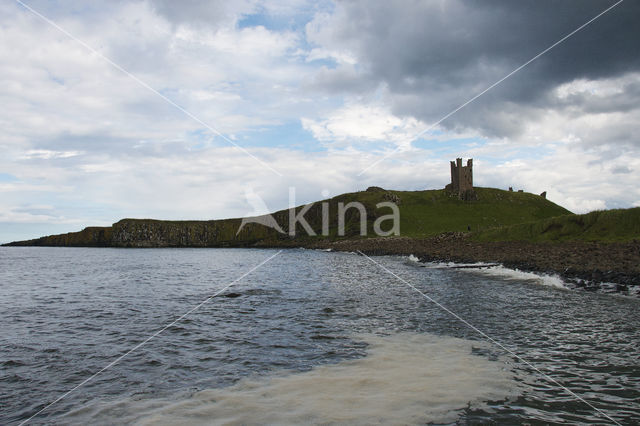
(592, 266)
(587, 265)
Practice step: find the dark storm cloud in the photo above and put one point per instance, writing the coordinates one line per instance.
(433, 56)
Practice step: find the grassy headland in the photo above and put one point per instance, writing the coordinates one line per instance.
(423, 214)
(517, 229)
(604, 226)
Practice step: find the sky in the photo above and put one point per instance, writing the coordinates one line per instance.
(189, 110)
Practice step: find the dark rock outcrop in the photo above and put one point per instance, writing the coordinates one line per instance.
(582, 264)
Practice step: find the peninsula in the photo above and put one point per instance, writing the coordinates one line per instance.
(460, 223)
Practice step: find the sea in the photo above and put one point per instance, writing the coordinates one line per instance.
(259, 336)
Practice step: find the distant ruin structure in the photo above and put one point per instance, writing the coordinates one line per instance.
(462, 180)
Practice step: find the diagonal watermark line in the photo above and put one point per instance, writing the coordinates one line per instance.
(494, 85)
(144, 342)
(145, 85)
(486, 336)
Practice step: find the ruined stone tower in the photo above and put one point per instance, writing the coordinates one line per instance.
(462, 180)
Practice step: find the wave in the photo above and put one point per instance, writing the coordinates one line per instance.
(405, 378)
(500, 271)
(516, 274)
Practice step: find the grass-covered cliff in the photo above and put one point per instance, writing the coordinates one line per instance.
(429, 213)
(617, 225)
(422, 214)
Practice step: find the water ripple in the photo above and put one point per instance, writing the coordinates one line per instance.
(66, 313)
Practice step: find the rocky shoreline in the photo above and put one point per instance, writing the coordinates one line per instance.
(587, 265)
(591, 266)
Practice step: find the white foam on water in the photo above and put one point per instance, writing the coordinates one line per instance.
(516, 274)
(413, 258)
(491, 269)
(405, 378)
(453, 265)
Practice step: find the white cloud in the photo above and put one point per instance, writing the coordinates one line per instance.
(39, 215)
(604, 88)
(92, 143)
(364, 123)
(46, 154)
(580, 205)
(320, 33)
(233, 79)
(578, 180)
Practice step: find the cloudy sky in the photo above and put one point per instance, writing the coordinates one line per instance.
(187, 110)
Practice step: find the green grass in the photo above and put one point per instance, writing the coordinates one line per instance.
(428, 213)
(603, 225)
(432, 212)
(422, 214)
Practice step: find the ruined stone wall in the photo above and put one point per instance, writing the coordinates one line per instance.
(466, 176)
(455, 177)
(462, 179)
(461, 176)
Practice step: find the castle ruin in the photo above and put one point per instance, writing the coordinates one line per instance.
(462, 180)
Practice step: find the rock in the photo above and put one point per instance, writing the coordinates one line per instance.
(469, 195)
(389, 196)
(596, 275)
(375, 189)
(232, 295)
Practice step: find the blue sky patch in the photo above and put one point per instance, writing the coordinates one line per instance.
(6, 177)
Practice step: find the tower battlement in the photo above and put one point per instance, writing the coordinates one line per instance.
(462, 180)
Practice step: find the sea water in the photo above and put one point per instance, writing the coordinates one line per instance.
(308, 337)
